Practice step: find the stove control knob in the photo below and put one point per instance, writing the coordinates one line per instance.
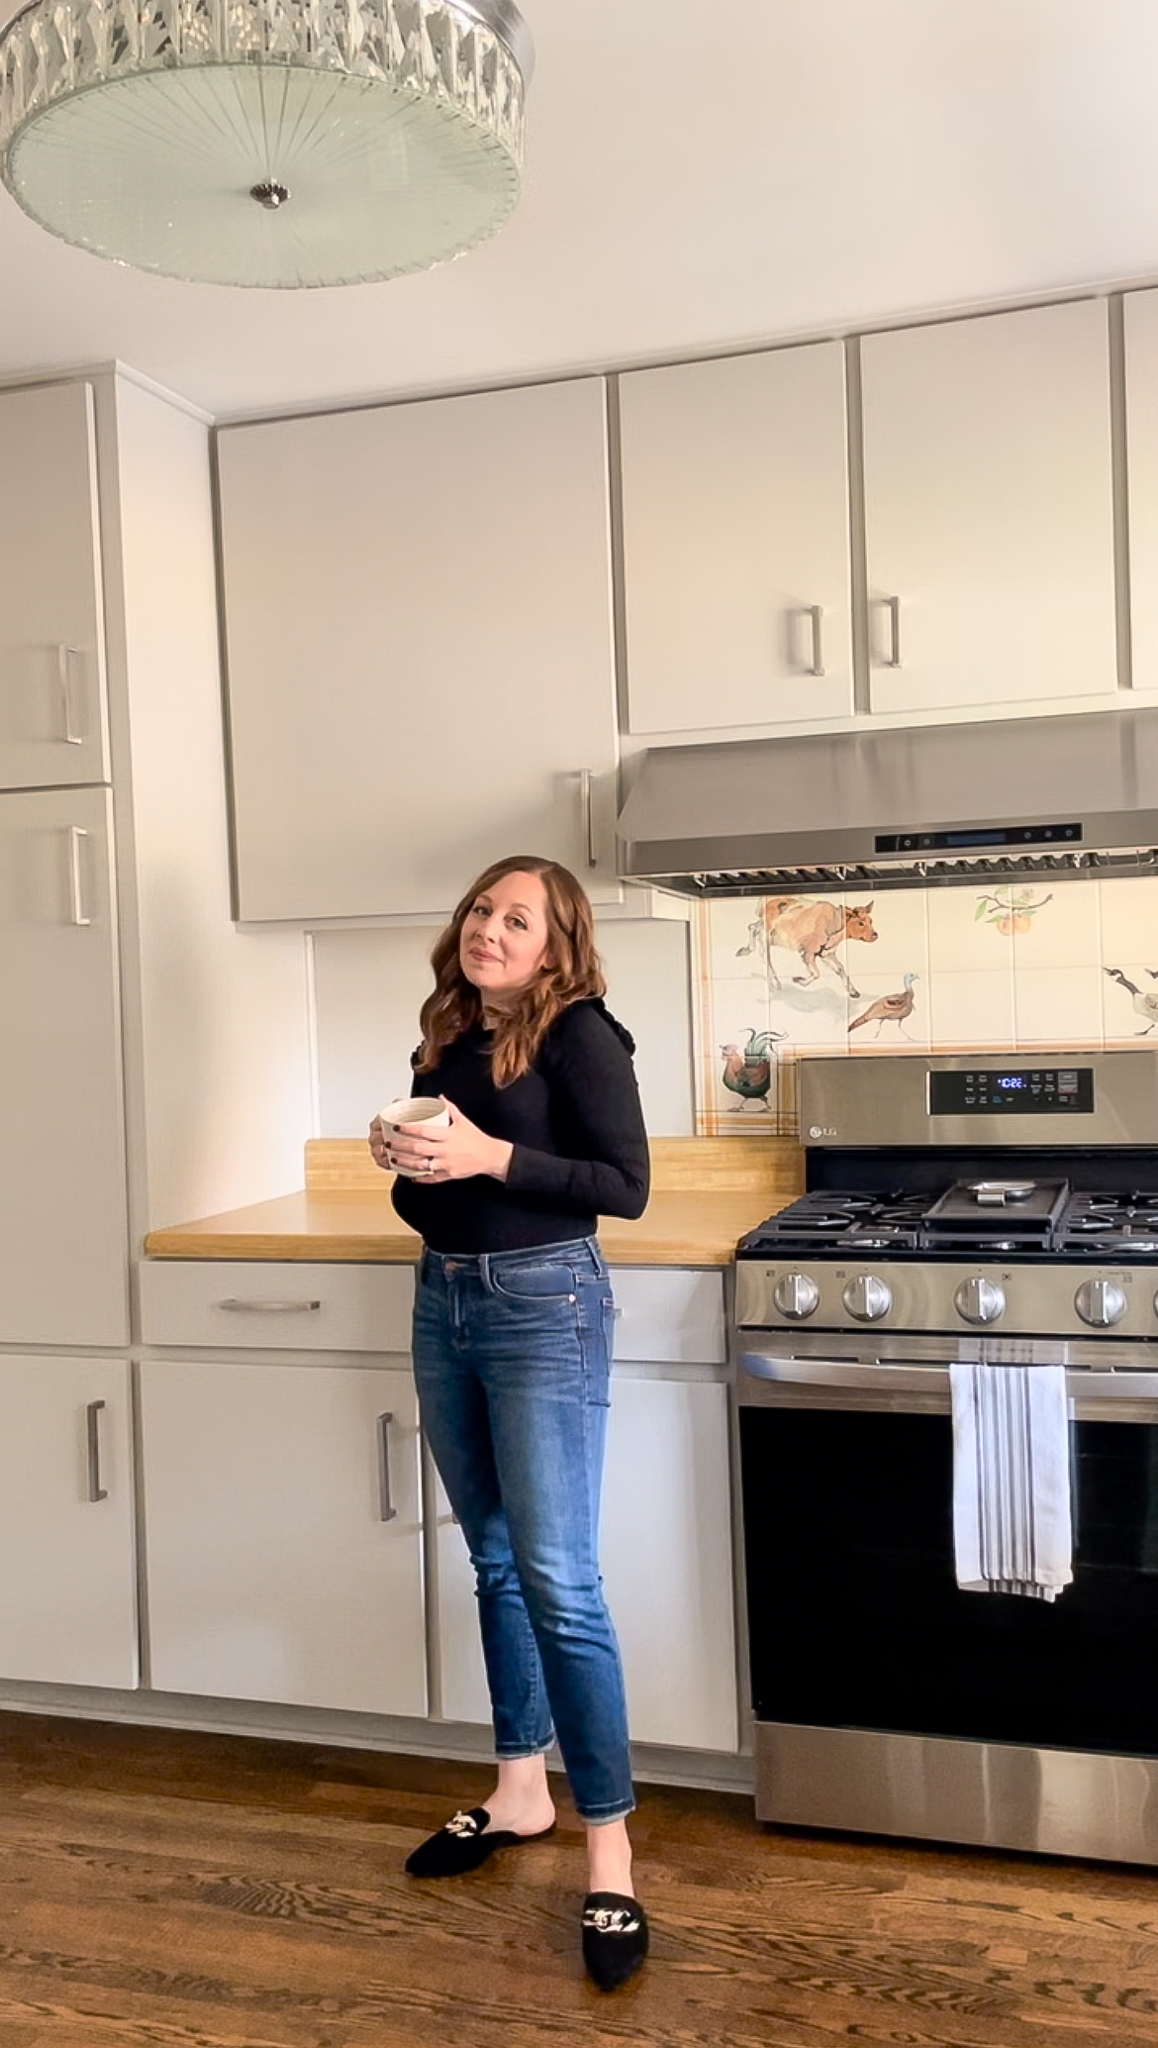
(796, 1296)
(867, 1298)
(980, 1301)
(1100, 1303)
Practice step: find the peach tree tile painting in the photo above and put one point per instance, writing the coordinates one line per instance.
(1010, 909)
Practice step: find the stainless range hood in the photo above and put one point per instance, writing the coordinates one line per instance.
(877, 810)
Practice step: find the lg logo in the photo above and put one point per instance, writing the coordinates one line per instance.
(822, 1130)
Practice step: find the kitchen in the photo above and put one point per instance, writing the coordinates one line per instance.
(235, 1039)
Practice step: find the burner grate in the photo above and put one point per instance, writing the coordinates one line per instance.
(1042, 1219)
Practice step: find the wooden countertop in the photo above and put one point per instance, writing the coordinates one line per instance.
(707, 1192)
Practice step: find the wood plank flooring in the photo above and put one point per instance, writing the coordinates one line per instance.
(163, 1890)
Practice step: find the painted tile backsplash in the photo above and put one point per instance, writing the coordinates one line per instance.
(1012, 967)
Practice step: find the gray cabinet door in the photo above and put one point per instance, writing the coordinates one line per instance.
(1141, 325)
(666, 1496)
(63, 1229)
(735, 534)
(68, 1589)
(52, 687)
(283, 1533)
(989, 511)
(419, 645)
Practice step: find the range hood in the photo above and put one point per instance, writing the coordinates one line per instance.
(877, 810)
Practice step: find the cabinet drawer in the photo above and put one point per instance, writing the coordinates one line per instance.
(284, 1306)
(669, 1315)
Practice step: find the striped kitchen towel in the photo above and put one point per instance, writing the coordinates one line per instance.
(1012, 1522)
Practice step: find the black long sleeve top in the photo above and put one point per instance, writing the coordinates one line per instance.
(575, 1122)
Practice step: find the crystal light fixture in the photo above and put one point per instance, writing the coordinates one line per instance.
(283, 143)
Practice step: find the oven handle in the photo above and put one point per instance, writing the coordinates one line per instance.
(1117, 1396)
(845, 1372)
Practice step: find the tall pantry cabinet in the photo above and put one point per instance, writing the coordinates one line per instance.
(114, 925)
(66, 1608)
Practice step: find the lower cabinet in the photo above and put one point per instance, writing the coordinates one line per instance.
(68, 1611)
(667, 1559)
(667, 1567)
(283, 1537)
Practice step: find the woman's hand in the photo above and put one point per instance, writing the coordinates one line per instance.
(440, 1152)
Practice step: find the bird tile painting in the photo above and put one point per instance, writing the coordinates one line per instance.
(906, 970)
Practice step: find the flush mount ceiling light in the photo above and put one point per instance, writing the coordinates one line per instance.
(283, 143)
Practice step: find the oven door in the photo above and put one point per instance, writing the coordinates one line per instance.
(855, 1617)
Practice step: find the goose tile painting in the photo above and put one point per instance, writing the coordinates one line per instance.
(1006, 968)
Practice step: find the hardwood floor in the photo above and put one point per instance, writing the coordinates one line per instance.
(163, 1890)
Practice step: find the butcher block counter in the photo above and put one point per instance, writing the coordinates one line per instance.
(706, 1193)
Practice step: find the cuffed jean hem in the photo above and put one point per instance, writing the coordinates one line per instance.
(604, 1820)
(514, 1756)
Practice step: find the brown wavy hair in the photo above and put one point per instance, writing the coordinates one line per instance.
(571, 970)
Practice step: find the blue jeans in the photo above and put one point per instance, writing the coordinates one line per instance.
(512, 1363)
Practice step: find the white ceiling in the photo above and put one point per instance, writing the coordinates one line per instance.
(700, 173)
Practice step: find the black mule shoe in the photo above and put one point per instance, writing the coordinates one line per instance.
(462, 1845)
(615, 1938)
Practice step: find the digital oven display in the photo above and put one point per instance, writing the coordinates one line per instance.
(1021, 1091)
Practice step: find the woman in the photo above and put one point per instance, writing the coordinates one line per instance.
(512, 1326)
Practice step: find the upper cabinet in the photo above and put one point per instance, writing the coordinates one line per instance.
(52, 695)
(420, 649)
(989, 510)
(418, 603)
(736, 545)
(1141, 332)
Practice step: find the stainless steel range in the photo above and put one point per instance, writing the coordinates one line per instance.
(958, 1208)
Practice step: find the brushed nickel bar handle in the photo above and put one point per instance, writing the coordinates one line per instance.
(387, 1512)
(816, 613)
(77, 913)
(588, 809)
(92, 1424)
(63, 668)
(270, 1308)
(893, 606)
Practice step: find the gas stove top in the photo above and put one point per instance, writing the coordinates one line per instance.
(1017, 1201)
(991, 1217)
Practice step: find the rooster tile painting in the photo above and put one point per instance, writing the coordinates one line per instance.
(777, 979)
(748, 1073)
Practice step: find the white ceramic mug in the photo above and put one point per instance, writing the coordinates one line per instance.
(414, 1109)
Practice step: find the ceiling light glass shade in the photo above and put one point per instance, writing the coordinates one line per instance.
(282, 143)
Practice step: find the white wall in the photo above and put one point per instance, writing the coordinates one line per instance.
(370, 985)
(222, 1014)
